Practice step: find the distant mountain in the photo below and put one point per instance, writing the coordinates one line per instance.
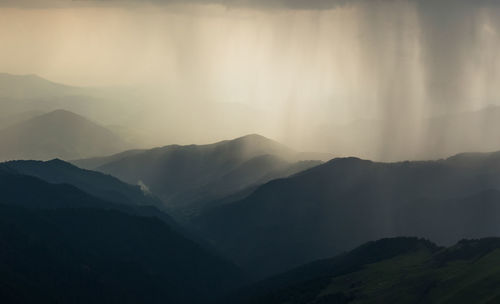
(59, 243)
(21, 94)
(343, 203)
(95, 162)
(186, 177)
(400, 270)
(58, 134)
(132, 111)
(31, 93)
(30, 87)
(243, 179)
(7, 120)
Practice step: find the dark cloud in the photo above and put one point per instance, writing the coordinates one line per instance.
(262, 4)
(272, 4)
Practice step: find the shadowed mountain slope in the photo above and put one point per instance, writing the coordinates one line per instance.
(113, 193)
(98, 184)
(186, 177)
(346, 202)
(400, 270)
(63, 245)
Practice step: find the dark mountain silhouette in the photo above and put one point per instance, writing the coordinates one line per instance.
(97, 184)
(116, 194)
(60, 244)
(346, 202)
(106, 192)
(186, 177)
(60, 134)
(399, 270)
(29, 191)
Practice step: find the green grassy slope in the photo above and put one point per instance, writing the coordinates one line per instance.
(468, 272)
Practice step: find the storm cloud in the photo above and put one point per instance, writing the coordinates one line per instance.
(354, 77)
(261, 4)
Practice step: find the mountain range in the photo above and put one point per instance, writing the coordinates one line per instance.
(61, 244)
(186, 178)
(138, 114)
(98, 184)
(336, 206)
(192, 223)
(31, 93)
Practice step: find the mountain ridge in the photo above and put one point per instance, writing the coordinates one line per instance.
(188, 177)
(396, 270)
(57, 134)
(348, 201)
(56, 235)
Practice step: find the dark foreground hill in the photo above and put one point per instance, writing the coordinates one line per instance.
(116, 194)
(400, 270)
(346, 202)
(58, 134)
(98, 184)
(62, 245)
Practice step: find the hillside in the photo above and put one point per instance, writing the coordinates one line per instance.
(60, 243)
(187, 177)
(338, 205)
(400, 270)
(97, 184)
(113, 193)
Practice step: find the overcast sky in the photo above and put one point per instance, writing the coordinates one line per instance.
(307, 63)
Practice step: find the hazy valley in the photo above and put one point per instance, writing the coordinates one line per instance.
(250, 152)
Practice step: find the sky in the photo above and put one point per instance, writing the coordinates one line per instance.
(304, 71)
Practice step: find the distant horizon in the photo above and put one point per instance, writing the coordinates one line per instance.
(384, 80)
(323, 155)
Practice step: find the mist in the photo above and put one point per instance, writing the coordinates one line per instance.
(386, 80)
